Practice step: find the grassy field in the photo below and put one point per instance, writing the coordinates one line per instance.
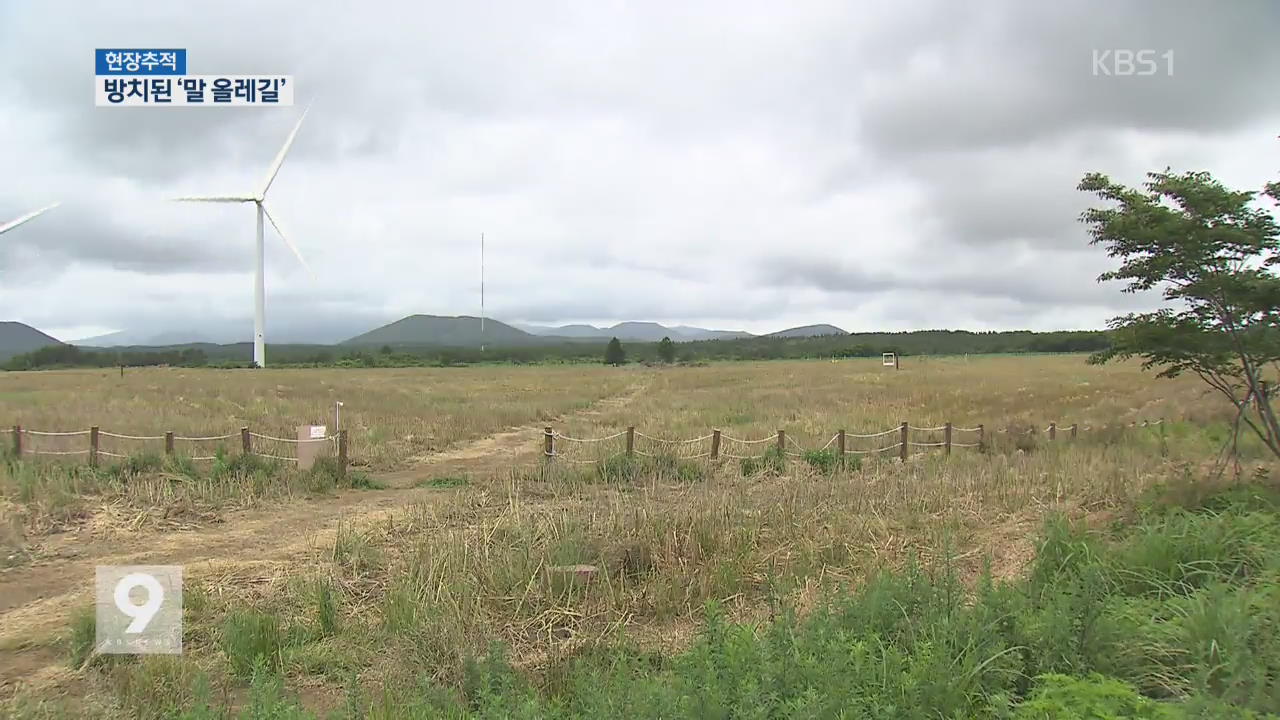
(392, 415)
(396, 415)
(663, 586)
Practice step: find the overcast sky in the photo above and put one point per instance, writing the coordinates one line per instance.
(738, 165)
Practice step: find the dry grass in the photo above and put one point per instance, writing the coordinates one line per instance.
(812, 400)
(392, 415)
(414, 590)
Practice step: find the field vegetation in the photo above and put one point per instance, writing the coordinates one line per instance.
(1030, 579)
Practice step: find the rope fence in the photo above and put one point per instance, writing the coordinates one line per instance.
(556, 444)
(29, 442)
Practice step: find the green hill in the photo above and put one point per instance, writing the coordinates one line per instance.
(461, 331)
(808, 331)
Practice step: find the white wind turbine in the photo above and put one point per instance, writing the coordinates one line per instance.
(29, 216)
(259, 282)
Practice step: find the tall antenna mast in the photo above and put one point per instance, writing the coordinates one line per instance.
(481, 292)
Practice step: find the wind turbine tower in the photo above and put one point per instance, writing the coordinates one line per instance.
(259, 281)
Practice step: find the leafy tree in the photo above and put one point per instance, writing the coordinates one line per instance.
(667, 350)
(614, 354)
(386, 350)
(1212, 254)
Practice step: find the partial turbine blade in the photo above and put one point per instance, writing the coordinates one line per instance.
(215, 198)
(28, 216)
(275, 166)
(292, 247)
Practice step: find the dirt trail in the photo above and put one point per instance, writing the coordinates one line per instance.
(36, 600)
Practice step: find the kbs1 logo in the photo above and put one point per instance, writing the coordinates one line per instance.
(1131, 63)
(138, 609)
(157, 77)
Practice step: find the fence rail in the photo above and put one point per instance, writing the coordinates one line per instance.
(786, 445)
(95, 434)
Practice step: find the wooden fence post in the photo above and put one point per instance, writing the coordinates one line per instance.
(982, 437)
(168, 443)
(1164, 448)
(1053, 431)
(342, 453)
(903, 439)
(840, 444)
(715, 444)
(246, 443)
(17, 441)
(548, 444)
(631, 440)
(782, 442)
(93, 445)
(946, 438)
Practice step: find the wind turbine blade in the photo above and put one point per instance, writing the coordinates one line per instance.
(275, 166)
(292, 247)
(214, 198)
(28, 216)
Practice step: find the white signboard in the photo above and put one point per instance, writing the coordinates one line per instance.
(318, 432)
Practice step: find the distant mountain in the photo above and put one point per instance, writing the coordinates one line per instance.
(461, 331)
(573, 331)
(808, 331)
(639, 331)
(697, 333)
(215, 335)
(17, 338)
(114, 339)
(632, 331)
(318, 330)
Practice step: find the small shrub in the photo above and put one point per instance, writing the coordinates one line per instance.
(828, 461)
(242, 466)
(618, 469)
(136, 465)
(360, 480)
(629, 469)
(252, 640)
(325, 601)
(1067, 698)
(444, 481)
(353, 551)
(83, 639)
(772, 462)
(182, 465)
(159, 686)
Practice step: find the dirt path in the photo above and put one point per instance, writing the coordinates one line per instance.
(36, 601)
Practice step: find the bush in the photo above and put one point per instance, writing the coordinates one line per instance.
(829, 461)
(253, 642)
(773, 462)
(630, 469)
(1067, 698)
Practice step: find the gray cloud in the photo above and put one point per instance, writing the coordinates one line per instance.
(1011, 73)
(747, 164)
(92, 236)
(1031, 280)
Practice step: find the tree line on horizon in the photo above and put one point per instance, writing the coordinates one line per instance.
(920, 342)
